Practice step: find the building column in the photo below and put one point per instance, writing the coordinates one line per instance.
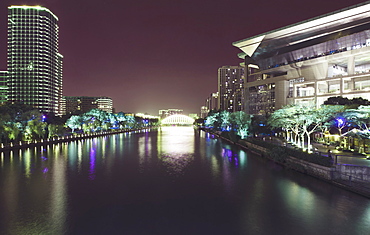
(351, 65)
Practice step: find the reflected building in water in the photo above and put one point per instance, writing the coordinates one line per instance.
(308, 62)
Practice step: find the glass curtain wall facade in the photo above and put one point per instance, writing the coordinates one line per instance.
(34, 61)
(309, 62)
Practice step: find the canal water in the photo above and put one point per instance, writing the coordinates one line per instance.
(175, 180)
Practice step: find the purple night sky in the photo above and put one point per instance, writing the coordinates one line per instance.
(149, 55)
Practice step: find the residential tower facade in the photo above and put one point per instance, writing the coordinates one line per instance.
(230, 88)
(34, 62)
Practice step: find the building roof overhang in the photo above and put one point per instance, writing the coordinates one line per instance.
(345, 19)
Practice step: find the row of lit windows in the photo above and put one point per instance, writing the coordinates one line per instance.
(23, 39)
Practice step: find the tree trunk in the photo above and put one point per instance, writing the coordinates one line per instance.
(308, 142)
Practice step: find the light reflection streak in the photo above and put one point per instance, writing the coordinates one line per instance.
(58, 195)
(2, 159)
(243, 158)
(27, 163)
(79, 156)
(176, 148)
(92, 162)
(144, 150)
(215, 167)
(104, 146)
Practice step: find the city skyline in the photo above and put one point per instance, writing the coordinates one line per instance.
(149, 56)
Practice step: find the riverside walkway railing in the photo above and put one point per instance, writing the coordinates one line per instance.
(61, 139)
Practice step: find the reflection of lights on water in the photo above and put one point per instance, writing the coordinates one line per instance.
(232, 157)
(27, 163)
(79, 155)
(226, 152)
(145, 148)
(92, 164)
(176, 164)
(242, 158)
(176, 148)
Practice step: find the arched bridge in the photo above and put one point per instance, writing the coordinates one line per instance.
(177, 119)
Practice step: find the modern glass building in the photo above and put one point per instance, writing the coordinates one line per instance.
(308, 62)
(34, 62)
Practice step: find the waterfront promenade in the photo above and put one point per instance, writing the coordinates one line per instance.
(352, 182)
(350, 170)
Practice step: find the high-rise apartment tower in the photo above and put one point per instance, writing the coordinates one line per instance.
(230, 88)
(34, 62)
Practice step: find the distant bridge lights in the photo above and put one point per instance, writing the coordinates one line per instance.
(178, 119)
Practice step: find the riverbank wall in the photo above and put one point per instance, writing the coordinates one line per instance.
(63, 139)
(350, 177)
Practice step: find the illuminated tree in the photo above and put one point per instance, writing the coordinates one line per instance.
(12, 130)
(16, 118)
(212, 120)
(313, 119)
(130, 122)
(74, 122)
(241, 121)
(120, 120)
(35, 128)
(55, 130)
(286, 119)
(224, 119)
(359, 117)
(302, 120)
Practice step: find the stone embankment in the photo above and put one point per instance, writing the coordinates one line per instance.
(351, 177)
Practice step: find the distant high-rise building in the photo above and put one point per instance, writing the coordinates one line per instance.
(230, 88)
(212, 102)
(3, 86)
(34, 61)
(83, 104)
(204, 111)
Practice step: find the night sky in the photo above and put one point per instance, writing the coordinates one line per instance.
(159, 54)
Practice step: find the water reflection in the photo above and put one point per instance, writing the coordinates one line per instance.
(176, 148)
(145, 151)
(58, 204)
(96, 186)
(92, 160)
